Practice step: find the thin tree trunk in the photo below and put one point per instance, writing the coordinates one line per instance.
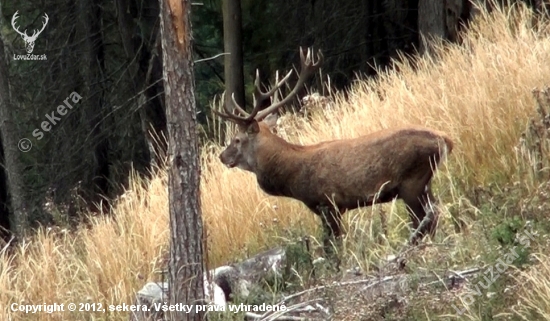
(431, 21)
(153, 111)
(97, 182)
(457, 14)
(186, 252)
(20, 220)
(144, 73)
(232, 42)
(4, 208)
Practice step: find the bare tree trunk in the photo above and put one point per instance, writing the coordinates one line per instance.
(20, 220)
(97, 182)
(232, 42)
(145, 68)
(457, 13)
(4, 208)
(186, 253)
(431, 21)
(153, 110)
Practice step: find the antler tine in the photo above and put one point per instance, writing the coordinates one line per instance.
(247, 117)
(278, 84)
(260, 96)
(230, 114)
(276, 93)
(237, 107)
(307, 64)
(257, 96)
(307, 67)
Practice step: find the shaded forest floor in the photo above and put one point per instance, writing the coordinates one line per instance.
(492, 191)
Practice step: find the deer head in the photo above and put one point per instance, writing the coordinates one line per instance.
(240, 152)
(29, 40)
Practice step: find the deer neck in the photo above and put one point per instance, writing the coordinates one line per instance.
(277, 164)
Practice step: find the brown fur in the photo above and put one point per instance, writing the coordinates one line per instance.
(332, 177)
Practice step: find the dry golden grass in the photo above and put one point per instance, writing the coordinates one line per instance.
(479, 93)
(534, 290)
(104, 263)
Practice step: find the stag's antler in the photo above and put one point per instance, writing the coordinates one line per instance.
(308, 67)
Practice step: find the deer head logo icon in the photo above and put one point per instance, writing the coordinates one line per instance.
(29, 40)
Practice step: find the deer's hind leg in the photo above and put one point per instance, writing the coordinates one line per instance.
(423, 211)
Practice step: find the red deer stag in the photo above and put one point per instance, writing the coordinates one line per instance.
(332, 177)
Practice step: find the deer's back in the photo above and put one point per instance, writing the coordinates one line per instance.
(355, 170)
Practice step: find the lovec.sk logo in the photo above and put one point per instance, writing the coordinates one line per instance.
(29, 40)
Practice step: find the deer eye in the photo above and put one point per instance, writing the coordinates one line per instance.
(237, 140)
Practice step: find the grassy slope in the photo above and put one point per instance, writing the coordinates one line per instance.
(480, 94)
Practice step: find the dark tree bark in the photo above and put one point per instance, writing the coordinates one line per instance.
(153, 111)
(457, 14)
(441, 19)
(186, 266)
(431, 21)
(4, 208)
(20, 220)
(97, 182)
(232, 42)
(145, 71)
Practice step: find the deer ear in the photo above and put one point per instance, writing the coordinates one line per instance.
(253, 128)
